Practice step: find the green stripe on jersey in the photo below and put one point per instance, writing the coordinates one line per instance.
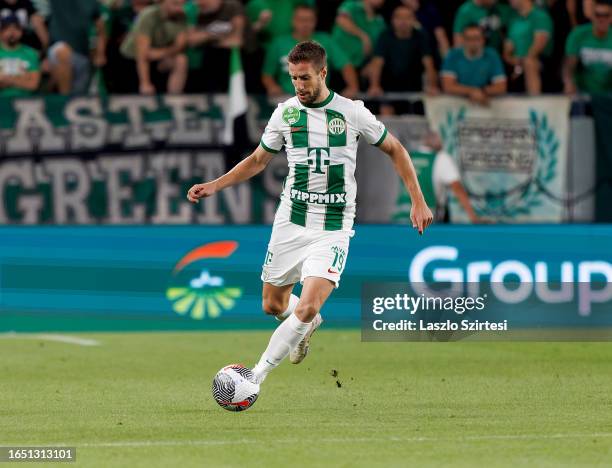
(299, 131)
(298, 207)
(336, 128)
(334, 214)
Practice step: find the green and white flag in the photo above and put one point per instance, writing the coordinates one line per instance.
(237, 99)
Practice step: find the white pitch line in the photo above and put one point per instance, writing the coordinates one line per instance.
(52, 337)
(180, 443)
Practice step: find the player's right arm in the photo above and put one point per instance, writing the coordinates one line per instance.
(244, 170)
(272, 142)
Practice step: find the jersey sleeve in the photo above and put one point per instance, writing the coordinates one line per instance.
(272, 139)
(372, 129)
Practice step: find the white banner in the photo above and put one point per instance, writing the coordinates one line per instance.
(512, 155)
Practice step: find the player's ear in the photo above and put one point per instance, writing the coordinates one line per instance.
(323, 73)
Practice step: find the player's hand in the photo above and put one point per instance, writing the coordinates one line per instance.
(421, 216)
(201, 191)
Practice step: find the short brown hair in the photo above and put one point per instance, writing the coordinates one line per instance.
(308, 51)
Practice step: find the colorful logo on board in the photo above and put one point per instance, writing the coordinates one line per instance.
(205, 294)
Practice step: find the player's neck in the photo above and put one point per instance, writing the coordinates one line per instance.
(323, 96)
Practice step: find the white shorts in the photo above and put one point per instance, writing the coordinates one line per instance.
(295, 253)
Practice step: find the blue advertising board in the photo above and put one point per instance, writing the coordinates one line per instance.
(164, 278)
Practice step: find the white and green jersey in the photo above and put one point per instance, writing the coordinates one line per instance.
(321, 143)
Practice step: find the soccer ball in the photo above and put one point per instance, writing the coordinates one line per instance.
(234, 388)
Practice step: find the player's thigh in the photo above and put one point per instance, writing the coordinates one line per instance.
(315, 291)
(326, 258)
(275, 299)
(287, 248)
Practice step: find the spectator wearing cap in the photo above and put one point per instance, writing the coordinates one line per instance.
(19, 64)
(70, 26)
(32, 23)
(156, 47)
(473, 70)
(588, 65)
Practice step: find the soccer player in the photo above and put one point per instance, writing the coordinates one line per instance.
(310, 237)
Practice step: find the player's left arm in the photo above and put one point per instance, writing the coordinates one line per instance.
(420, 214)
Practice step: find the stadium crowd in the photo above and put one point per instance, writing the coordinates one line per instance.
(472, 48)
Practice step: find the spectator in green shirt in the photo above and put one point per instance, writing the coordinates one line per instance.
(474, 71)
(491, 16)
(529, 41)
(357, 28)
(156, 46)
(588, 65)
(19, 65)
(275, 74)
(272, 18)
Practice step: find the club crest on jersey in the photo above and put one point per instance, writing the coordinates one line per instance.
(336, 126)
(291, 115)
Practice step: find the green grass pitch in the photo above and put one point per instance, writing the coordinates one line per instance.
(143, 400)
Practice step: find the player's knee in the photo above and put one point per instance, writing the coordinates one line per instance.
(306, 312)
(273, 307)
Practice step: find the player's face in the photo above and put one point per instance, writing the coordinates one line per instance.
(307, 81)
(11, 35)
(304, 22)
(488, 3)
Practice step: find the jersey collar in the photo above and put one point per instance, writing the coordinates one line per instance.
(322, 103)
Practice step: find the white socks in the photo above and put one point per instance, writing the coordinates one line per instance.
(286, 337)
(293, 302)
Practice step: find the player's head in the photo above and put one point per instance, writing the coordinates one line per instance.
(10, 30)
(402, 20)
(602, 15)
(304, 21)
(487, 3)
(308, 70)
(473, 39)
